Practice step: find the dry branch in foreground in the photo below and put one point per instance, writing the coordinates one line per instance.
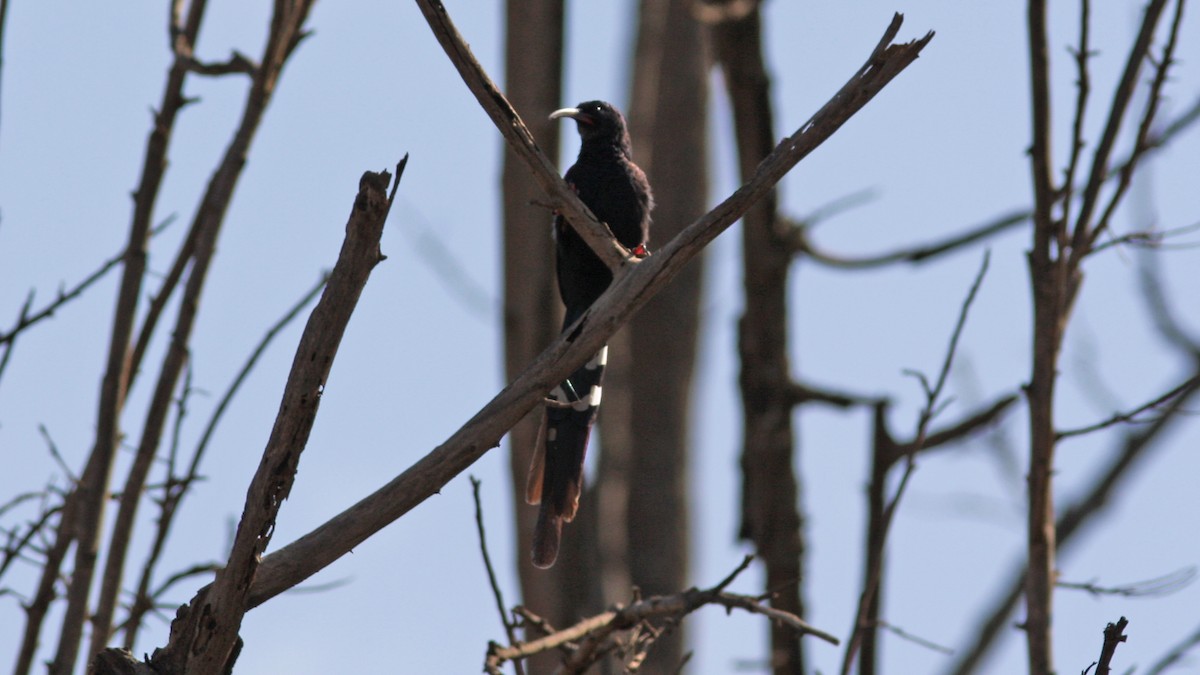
(599, 635)
(204, 635)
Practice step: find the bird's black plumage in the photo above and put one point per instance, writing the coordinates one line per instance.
(616, 190)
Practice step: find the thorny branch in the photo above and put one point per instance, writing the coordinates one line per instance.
(1060, 244)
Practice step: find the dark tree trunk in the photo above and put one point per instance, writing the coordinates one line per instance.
(533, 80)
(645, 435)
(770, 515)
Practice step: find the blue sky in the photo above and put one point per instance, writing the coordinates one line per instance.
(941, 148)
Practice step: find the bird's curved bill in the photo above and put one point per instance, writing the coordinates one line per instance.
(573, 113)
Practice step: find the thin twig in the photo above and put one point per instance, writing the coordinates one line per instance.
(1082, 54)
(509, 629)
(1084, 231)
(1131, 416)
(17, 543)
(932, 396)
(965, 427)
(917, 640)
(1125, 174)
(801, 242)
(28, 319)
(52, 448)
(1150, 239)
(8, 346)
(1150, 588)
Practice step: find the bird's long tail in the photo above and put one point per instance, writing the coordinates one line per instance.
(556, 475)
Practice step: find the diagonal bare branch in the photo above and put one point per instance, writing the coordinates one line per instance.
(1132, 415)
(802, 243)
(1101, 160)
(561, 197)
(297, 561)
(1157, 84)
(204, 637)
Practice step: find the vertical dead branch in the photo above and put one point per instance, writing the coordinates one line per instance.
(285, 33)
(204, 637)
(1133, 449)
(771, 517)
(1055, 277)
(92, 489)
(883, 456)
(1048, 278)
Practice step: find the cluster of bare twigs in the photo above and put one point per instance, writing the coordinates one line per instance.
(79, 506)
(629, 631)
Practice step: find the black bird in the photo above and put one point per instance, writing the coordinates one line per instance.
(615, 189)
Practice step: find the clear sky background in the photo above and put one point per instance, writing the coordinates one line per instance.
(942, 148)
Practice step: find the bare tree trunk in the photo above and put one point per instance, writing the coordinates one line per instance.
(532, 312)
(648, 435)
(770, 514)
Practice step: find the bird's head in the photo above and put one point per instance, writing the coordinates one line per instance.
(597, 121)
